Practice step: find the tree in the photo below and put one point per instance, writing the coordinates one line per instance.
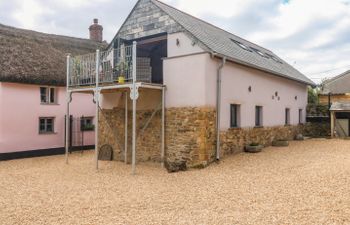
(312, 95)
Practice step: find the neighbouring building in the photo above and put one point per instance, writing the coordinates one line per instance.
(335, 93)
(336, 89)
(33, 94)
(221, 91)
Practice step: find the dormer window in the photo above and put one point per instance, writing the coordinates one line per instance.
(243, 46)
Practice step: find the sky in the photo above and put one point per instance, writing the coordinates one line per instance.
(311, 35)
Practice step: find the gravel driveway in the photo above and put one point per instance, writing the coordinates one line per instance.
(306, 183)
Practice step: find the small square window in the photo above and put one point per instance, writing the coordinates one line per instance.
(235, 115)
(46, 125)
(258, 116)
(86, 124)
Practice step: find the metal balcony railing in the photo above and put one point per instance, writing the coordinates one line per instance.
(114, 66)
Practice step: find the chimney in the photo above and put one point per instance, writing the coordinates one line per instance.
(96, 31)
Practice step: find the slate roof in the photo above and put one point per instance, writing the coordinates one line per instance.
(337, 85)
(32, 57)
(226, 44)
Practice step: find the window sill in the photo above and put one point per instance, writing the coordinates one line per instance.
(47, 133)
(42, 103)
(235, 128)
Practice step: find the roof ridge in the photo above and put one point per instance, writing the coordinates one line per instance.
(210, 24)
(337, 77)
(46, 34)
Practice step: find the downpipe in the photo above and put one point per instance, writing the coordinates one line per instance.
(218, 106)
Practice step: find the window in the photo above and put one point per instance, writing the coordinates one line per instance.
(241, 45)
(274, 58)
(86, 124)
(235, 114)
(47, 95)
(258, 116)
(287, 116)
(260, 52)
(46, 125)
(300, 116)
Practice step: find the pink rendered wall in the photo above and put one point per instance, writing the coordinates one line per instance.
(184, 46)
(185, 81)
(19, 119)
(191, 81)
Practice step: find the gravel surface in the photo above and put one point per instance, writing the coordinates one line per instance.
(306, 183)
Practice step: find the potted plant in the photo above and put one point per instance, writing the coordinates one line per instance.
(121, 68)
(280, 143)
(254, 147)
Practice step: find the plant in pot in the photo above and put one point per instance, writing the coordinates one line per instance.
(254, 147)
(120, 69)
(280, 143)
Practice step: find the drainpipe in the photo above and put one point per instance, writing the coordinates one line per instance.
(218, 106)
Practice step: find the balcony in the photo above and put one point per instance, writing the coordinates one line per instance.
(112, 67)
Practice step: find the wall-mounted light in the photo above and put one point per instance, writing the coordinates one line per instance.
(250, 88)
(276, 93)
(177, 42)
(296, 97)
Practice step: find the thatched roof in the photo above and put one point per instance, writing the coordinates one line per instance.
(37, 58)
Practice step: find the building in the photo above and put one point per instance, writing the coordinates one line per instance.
(336, 89)
(192, 91)
(33, 94)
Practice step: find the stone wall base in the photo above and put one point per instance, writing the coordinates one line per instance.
(234, 140)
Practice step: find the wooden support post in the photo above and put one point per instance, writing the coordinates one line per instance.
(332, 124)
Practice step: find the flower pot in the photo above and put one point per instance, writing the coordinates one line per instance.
(253, 148)
(121, 80)
(280, 143)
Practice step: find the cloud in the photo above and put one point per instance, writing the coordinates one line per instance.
(312, 35)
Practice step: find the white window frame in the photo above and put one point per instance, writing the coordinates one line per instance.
(48, 92)
(45, 131)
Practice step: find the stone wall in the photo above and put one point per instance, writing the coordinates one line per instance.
(233, 140)
(317, 129)
(190, 135)
(111, 131)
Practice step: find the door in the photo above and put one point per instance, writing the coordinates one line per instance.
(342, 127)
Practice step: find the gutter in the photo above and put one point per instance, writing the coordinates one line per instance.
(218, 106)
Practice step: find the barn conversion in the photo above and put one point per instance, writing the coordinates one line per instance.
(184, 92)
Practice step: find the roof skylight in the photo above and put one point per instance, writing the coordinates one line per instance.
(241, 45)
(260, 53)
(274, 58)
